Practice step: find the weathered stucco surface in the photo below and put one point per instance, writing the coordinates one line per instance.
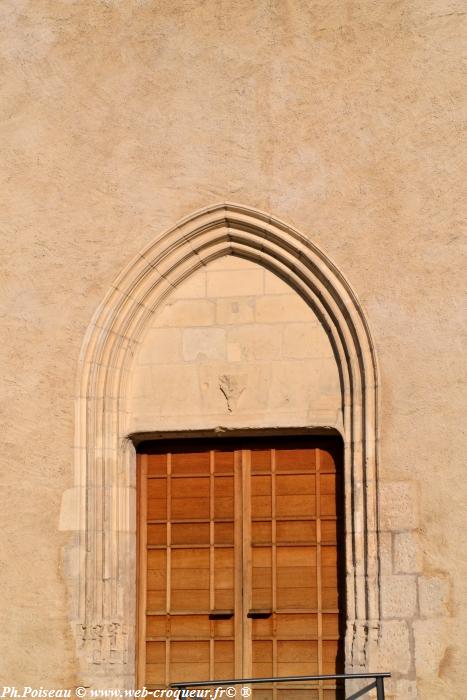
(344, 119)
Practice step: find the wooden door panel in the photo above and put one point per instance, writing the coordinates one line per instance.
(297, 625)
(224, 533)
(190, 533)
(157, 534)
(261, 532)
(190, 463)
(298, 579)
(295, 459)
(295, 532)
(157, 508)
(249, 529)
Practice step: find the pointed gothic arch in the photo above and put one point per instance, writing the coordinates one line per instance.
(104, 586)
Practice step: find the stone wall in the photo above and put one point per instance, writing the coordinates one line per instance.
(345, 119)
(234, 346)
(415, 598)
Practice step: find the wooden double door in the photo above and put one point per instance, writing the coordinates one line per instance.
(240, 562)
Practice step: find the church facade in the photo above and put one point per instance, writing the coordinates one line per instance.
(233, 345)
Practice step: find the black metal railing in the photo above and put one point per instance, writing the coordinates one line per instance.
(376, 678)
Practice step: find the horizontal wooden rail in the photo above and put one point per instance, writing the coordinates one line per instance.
(378, 683)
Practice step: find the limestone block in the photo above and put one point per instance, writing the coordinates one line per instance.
(396, 689)
(189, 312)
(385, 549)
(430, 645)
(407, 553)
(234, 282)
(234, 352)
(71, 510)
(174, 390)
(302, 340)
(399, 596)
(160, 345)
(433, 595)
(274, 284)
(192, 288)
(433, 688)
(256, 341)
(304, 384)
(73, 557)
(394, 647)
(398, 506)
(282, 308)
(201, 344)
(406, 690)
(141, 382)
(248, 382)
(241, 310)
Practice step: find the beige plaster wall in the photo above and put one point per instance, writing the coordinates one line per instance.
(343, 118)
(234, 347)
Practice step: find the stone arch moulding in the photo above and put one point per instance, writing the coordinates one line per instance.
(103, 586)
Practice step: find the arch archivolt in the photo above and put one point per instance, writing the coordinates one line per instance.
(103, 497)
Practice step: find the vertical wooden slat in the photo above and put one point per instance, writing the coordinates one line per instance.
(168, 563)
(318, 571)
(247, 563)
(211, 560)
(238, 556)
(274, 567)
(141, 572)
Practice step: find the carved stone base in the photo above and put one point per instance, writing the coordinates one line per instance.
(104, 642)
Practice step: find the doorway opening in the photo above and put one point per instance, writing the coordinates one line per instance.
(241, 561)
